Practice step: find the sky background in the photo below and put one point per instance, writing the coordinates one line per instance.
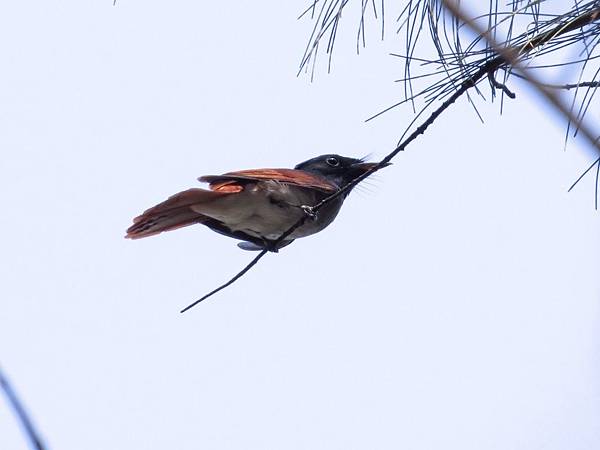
(454, 303)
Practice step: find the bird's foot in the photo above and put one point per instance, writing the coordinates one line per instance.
(271, 246)
(309, 211)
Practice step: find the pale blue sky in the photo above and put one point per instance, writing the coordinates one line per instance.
(454, 305)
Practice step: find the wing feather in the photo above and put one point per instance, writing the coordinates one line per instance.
(290, 176)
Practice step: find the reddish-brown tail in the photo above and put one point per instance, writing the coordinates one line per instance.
(171, 214)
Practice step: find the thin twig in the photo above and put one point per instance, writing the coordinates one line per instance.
(21, 413)
(501, 86)
(596, 191)
(568, 86)
(591, 84)
(230, 282)
(583, 174)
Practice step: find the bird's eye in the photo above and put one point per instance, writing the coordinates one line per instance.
(333, 162)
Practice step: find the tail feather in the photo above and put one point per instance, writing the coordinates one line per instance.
(171, 214)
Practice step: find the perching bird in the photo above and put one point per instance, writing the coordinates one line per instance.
(257, 206)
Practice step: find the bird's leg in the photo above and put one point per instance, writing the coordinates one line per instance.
(270, 246)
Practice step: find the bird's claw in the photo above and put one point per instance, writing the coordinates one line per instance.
(309, 211)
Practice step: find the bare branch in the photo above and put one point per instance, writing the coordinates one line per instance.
(23, 417)
(230, 282)
(501, 86)
(568, 86)
(463, 77)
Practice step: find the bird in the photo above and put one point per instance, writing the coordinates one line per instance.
(258, 206)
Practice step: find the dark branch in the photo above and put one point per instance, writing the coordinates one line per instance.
(501, 86)
(230, 282)
(568, 86)
(469, 83)
(504, 57)
(590, 84)
(21, 413)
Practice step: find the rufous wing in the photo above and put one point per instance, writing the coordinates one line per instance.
(289, 176)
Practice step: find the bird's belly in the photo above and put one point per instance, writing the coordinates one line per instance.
(267, 215)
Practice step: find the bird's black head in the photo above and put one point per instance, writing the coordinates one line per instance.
(336, 168)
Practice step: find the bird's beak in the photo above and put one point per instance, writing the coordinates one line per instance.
(363, 167)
